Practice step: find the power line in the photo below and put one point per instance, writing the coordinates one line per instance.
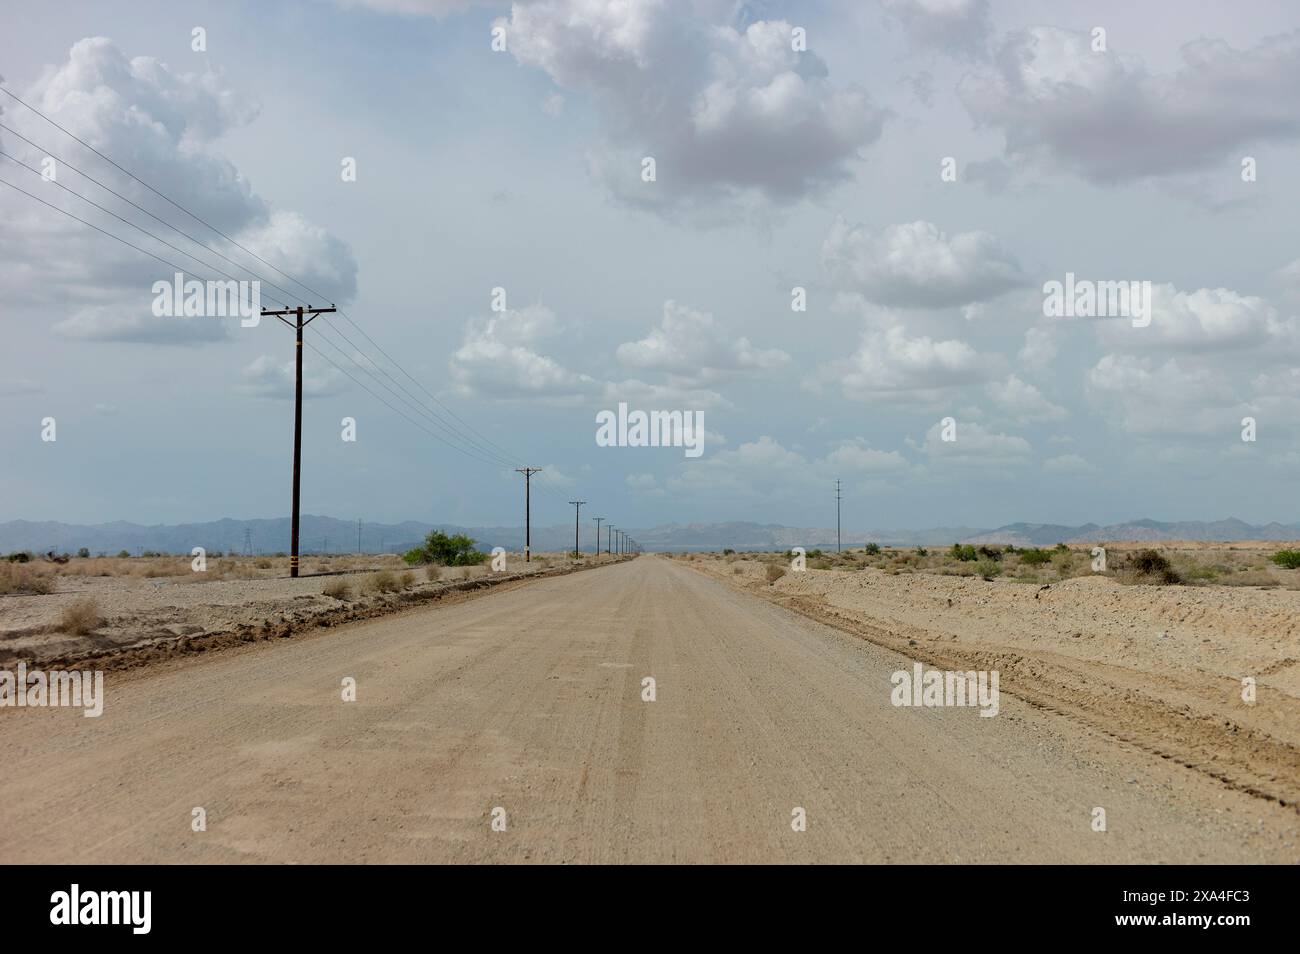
(483, 448)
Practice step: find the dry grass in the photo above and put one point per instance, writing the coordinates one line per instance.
(339, 589)
(382, 581)
(26, 579)
(80, 617)
(406, 579)
(1195, 564)
(774, 572)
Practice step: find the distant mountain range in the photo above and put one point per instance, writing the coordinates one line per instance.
(327, 534)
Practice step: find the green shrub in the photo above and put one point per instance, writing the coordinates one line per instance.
(443, 550)
(20, 556)
(988, 568)
(1287, 558)
(871, 549)
(964, 552)
(1035, 557)
(922, 552)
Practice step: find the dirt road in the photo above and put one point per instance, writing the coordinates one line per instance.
(531, 701)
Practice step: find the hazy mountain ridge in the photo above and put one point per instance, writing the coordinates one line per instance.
(329, 534)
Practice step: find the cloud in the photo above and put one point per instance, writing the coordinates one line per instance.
(1208, 320)
(890, 365)
(139, 326)
(959, 28)
(1104, 117)
(975, 446)
(855, 457)
(1067, 464)
(501, 358)
(160, 124)
(266, 377)
(692, 347)
(14, 387)
(498, 358)
(915, 265)
(734, 117)
(437, 9)
(1038, 351)
(1023, 402)
(1170, 399)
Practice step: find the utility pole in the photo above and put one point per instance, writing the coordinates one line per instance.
(598, 520)
(577, 508)
(609, 539)
(528, 531)
(358, 536)
(297, 415)
(838, 497)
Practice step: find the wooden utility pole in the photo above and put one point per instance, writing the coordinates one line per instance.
(838, 498)
(528, 532)
(609, 539)
(297, 415)
(577, 508)
(598, 520)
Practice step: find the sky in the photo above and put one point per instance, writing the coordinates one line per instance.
(912, 172)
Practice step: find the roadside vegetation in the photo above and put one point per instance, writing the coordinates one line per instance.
(1188, 565)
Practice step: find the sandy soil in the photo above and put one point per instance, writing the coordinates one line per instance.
(529, 700)
(139, 611)
(1158, 666)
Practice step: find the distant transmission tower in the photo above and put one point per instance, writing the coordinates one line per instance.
(248, 542)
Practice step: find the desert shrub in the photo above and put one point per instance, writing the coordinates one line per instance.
(1200, 572)
(123, 555)
(1035, 557)
(263, 564)
(1287, 558)
(1062, 548)
(406, 579)
(81, 616)
(20, 556)
(964, 552)
(871, 549)
(988, 568)
(443, 550)
(819, 564)
(728, 552)
(339, 589)
(1151, 564)
(922, 552)
(990, 553)
(774, 572)
(433, 572)
(1063, 560)
(84, 553)
(18, 578)
(382, 581)
(814, 554)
